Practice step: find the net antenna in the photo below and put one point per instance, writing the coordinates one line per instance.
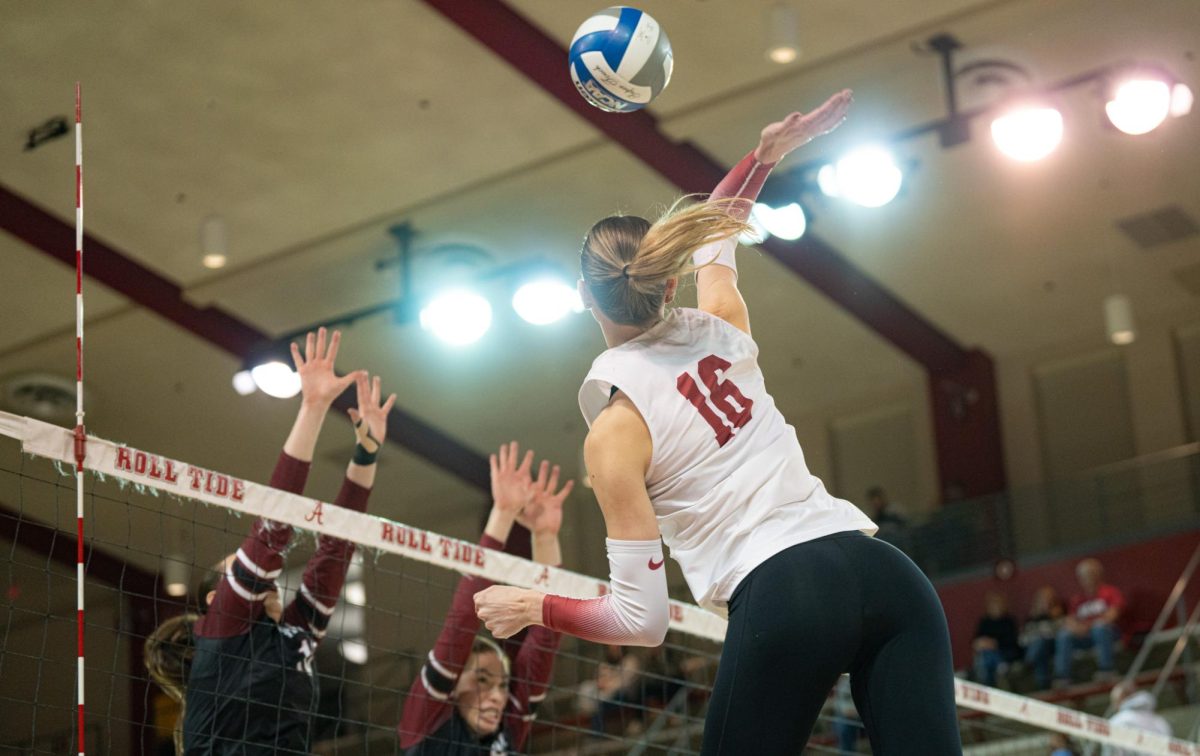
(80, 433)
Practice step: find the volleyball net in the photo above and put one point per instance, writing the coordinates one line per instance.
(156, 525)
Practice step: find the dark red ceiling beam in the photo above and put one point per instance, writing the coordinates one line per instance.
(543, 60)
(118, 271)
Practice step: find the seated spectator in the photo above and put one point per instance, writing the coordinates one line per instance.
(617, 687)
(995, 641)
(892, 527)
(1091, 622)
(1136, 710)
(846, 721)
(1037, 636)
(1061, 745)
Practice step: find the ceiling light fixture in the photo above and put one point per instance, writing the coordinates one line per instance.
(1028, 133)
(783, 34)
(214, 242)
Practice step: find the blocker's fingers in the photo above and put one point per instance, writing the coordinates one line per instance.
(321, 343)
(361, 394)
(567, 488)
(387, 406)
(543, 470)
(375, 391)
(552, 486)
(493, 465)
(297, 360)
(354, 416)
(527, 462)
(308, 346)
(334, 341)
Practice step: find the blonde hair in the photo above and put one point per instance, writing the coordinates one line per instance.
(483, 645)
(168, 658)
(626, 261)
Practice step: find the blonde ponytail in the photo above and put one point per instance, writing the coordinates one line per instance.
(168, 658)
(626, 261)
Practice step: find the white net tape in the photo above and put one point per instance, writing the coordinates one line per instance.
(189, 481)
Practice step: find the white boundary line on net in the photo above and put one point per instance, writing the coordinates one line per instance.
(192, 482)
(1061, 719)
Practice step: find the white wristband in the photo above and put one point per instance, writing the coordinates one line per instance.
(717, 253)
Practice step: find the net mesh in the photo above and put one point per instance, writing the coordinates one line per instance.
(145, 535)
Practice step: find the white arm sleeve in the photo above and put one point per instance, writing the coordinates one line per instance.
(636, 613)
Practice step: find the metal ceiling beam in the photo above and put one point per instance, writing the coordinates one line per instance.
(544, 61)
(121, 273)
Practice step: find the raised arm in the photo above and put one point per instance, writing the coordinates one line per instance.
(535, 661)
(326, 570)
(716, 283)
(249, 576)
(635, 613)
(429, 699)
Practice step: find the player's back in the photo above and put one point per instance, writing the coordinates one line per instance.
(727, 477)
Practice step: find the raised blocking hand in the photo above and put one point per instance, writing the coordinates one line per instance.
(798, 129)
(319, 385)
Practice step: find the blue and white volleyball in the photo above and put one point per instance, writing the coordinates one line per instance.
(620, 59)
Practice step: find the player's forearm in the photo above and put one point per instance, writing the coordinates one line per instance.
(302, 439)
(744, 182)
(453, 645)
(499, 524)
(361, 475)
(635, 613)
(547, 549)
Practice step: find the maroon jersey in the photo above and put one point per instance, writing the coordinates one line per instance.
(252, 688)
(430, 723)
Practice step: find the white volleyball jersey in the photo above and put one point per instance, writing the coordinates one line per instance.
(727, 478)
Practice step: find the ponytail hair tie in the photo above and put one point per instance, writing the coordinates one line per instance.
(625, 271)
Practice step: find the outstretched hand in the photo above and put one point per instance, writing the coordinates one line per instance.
(543, 513)
(319, 385)
(798, 129)
(512, 485)
(370, 418)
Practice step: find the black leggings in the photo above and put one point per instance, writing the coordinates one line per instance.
(842, 603)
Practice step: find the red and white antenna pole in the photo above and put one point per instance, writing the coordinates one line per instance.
(80, 434)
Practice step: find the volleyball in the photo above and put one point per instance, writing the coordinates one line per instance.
(620, 59)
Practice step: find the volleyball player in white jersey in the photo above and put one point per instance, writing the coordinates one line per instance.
(686, 443)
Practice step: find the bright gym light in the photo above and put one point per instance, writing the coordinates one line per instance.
(276, 379)
(457, 317)
(787, 222)
(1028, 133)
(867, 176)
(354, 651)
(758, 232)
(243, 383)
(1181, 100)
(1139, 106)
(545, 301)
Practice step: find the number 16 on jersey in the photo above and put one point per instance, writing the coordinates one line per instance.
(723, 397)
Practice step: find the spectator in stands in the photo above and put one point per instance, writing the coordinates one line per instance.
(616, 688)
(892, 527)
(846, 723)
(995, 641)
(1037, 636)
(1061, 745)
(469, 698)
(1091, 622)
(1135, 709)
